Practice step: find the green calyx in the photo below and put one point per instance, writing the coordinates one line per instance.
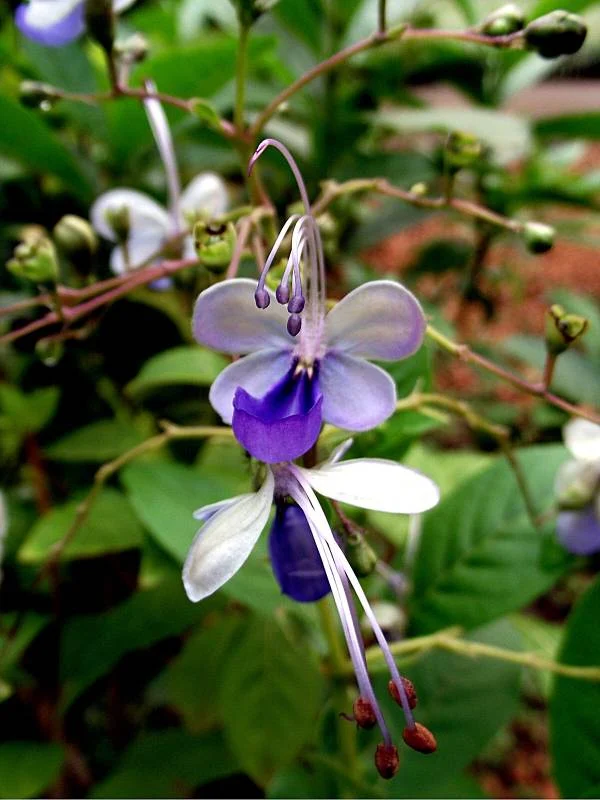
(34, 259)
(214, 244)
(556, 34)
(562, 329)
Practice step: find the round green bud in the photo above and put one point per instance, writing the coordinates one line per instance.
(462, 149)
(556, 34)
(119, 220)
(35, 260)
(133, 50)
(214, 244)
(360, 554)
(75, 237)
(419, 189)
(538, 237)
(504, 21)
(562, 329)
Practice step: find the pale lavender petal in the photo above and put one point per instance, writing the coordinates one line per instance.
(255, 373)
(380, 320)
(226, 318)
(579, 531)
(206, 194)
(164, 143)
(51, 29)
(146, 216)
(582, 438)
(121, 5)
(139, 250)
(356, 395)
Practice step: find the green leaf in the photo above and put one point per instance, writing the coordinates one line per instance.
(110, 527)
(167, 763)
(271, 693)
(576, 377)
(508, 136)
(31, 412)
(26, 138)
(479, 554)
(93, 644)
(97, 442)
(463, 701)
(192, 365)
(542, 638)
(28, 768)
(580, 126)
(574, 720)
(205, 654)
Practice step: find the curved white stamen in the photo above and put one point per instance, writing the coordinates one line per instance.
(275, 249)
(343, 565)
(164, 142)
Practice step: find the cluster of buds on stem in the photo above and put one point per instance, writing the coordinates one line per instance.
(214, 244)
(563, 329)
(552, 35)
(35, 259)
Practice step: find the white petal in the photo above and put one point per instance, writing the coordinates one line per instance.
(121, 5)
(226, 319)
(44, 13)
(255, 373)
(582, 437)
(139, 250)
(145, 214)
(381, 319)
(206, 512)
(205, 194)
(340, 451)
(224, 543)
(376, 484)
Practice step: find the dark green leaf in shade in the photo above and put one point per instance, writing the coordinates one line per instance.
(271, 693)
(479, 555)
(574, 719)
(579, 126)
(194, 366)
(25, 137)
(167, 763)
(95, 443)
(110, 527)
(28, 768)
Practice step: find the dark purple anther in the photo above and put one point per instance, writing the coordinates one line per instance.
(261, 298)
(294, 324)
(296, 304)
(282, 294)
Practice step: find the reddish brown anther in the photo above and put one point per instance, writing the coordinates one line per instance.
(387, 760)
(409, 688)
(364, 714)
(420, 738)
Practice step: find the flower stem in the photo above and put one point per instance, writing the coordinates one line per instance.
(241, 74)
(381, 15)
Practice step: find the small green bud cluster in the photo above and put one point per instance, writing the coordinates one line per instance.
(248, 11)
(76, 240)
(35, 259)
(504, 21)
(132, 50)
(539, 238)
(214, 244)
(562, 329)
(462, 150)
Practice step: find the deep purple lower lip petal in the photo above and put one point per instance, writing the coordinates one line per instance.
(283, 424)
(61, 33)
(579, 531)
(295, 559)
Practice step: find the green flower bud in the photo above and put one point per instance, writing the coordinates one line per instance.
(462, 149)
(119, 220)
(556, 34)
(35, 94)
(214, 244)
(132, 50)
(100, 22)
(35, 260)
(420, 189)
(539, 238)
(563, 329)
(248, 11)
(577, 483)
(360, 554)
(49, 351)
(505, 20)
(76, 238)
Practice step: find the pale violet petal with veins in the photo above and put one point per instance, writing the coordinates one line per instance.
(226, 319)
(255, 373)
(376, 484)
(380, 320)
(582, 438)
(139, 249)
(121, 5)
(357, 395)
(45, 13)
(145, 214)
(224, 543)
(206, 194)
(579, 531)
(31, 20)
(206, 512)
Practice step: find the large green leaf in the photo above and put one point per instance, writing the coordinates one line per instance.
(464, 702)
(271, 693)
(93, 644)
(111, 526)
(508, 135)
(194, 366)
(97, 442)
(24, 137)
(28, 768)
(168, 763)
(479, 554)
(574, 720)
(580, 126)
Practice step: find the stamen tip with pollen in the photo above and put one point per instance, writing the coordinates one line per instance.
(409, 688)
(261, 298)
(420, 738)
(387, 760)
(364, 715)
(296, 304)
